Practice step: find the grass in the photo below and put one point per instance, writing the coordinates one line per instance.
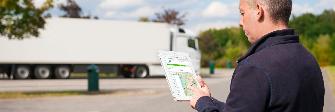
(39, 94)
(101, 75)
(11, 95)
(331, 76)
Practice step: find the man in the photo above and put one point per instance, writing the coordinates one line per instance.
(277, 74)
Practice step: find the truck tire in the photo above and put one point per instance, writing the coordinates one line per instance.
(62, 72)
(22, 72)
(42, 72)
(141, 71)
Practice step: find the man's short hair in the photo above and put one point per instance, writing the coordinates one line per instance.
(279, 10)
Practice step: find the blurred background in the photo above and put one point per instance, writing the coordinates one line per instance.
(212, 28)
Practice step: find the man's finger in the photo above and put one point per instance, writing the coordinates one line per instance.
(193, 89)
(201, 81)
(199, 78)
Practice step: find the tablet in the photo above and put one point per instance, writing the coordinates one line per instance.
(179, 74)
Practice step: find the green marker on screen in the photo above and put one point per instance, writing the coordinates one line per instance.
(176, 65)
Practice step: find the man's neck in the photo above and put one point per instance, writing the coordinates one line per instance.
(279, 26)
(268, 28)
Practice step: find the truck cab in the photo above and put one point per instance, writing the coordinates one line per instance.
(181, 40)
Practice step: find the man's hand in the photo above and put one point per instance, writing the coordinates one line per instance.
(199, 92)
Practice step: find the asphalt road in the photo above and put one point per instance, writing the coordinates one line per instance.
(151, 95)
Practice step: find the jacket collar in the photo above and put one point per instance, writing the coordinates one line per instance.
(274, 38)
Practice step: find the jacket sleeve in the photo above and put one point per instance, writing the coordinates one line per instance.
(209, 104)
(249, 93)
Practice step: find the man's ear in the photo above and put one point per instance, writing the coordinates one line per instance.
(260, 12)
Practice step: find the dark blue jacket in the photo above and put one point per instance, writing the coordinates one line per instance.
(276, 75)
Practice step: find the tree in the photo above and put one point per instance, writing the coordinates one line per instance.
(312, 25)
(304, 24)
(222, 45)
(170, 16)
(144, 19)
(20, 19)
(322, 50)
(208, 47)
(73, 10)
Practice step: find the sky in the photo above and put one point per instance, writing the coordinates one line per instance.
(200, 14)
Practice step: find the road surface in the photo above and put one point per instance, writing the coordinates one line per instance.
(149, 95)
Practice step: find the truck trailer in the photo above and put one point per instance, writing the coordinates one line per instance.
(130, 47)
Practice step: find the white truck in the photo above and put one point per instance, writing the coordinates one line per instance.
(131, 47)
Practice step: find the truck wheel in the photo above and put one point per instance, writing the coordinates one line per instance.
(42, 72)
(141, 71)
(62, 72)
(22, 72)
